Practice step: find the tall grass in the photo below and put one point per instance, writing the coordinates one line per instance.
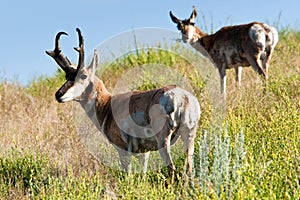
(254, 155)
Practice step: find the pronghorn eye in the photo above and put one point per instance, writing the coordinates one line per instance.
(83, 76)
(180, 26)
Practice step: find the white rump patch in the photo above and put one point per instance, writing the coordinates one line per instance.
(185, 107)
(272, 35)
(258, 35)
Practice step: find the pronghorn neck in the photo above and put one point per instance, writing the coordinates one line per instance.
(201, 41)
(97, 103)
(197, 35)
(97, 99)
(103, 95)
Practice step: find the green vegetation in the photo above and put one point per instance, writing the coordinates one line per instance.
(254, 155)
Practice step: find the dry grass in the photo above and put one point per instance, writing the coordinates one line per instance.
(37, 123)
(32, 122)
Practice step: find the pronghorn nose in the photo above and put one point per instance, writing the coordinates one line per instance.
(58, 96)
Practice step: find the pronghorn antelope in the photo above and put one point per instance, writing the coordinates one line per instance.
(136, 122)
(232, 46)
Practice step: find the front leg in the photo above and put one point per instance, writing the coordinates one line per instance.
(125, 158)
(222, 72)
(238, 75)
(143, 159)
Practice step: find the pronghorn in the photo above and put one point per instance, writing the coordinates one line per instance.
(135, 122)
(232, 46)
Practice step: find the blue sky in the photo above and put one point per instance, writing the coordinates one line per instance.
(28, 27)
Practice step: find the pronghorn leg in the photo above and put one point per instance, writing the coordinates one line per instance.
(143, 159)
(164, 147)
(266, 62)
(238, 75)
(266, 70)
(188, 136)
(222, 72)
(125, 160)
(256, 63)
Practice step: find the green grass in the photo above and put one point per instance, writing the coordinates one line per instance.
(27, 173)
(253, 155)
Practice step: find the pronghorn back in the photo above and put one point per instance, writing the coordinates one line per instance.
(175, 107)
(232, 44)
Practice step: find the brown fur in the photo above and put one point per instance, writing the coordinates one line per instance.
(134, 122)
(139, 101)
(230, 38)
(232, 46)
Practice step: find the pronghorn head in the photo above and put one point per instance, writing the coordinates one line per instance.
(79, 79)
(187, 26)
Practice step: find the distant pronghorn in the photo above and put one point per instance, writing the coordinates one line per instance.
(136, 122)
(232, 46)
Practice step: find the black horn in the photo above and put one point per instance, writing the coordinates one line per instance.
(80, 50)
(58, 56)
(193, 15)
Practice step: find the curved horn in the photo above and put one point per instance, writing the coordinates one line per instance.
(57, 55)
(57, 42)
(80, 50)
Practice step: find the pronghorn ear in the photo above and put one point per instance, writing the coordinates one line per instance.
(193, 15)
(94, 64)
(174, 19)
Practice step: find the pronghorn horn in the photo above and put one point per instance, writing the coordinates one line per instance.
(174, 19)
(80, 50)
(57, 55)
(193, 15)
(57, 42)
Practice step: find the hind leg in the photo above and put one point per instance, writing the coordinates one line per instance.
(222, 73)
(256, 63)
(266, 60)
(164, 147)
(188, 137)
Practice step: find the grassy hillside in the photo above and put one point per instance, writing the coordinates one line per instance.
(254, 155)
